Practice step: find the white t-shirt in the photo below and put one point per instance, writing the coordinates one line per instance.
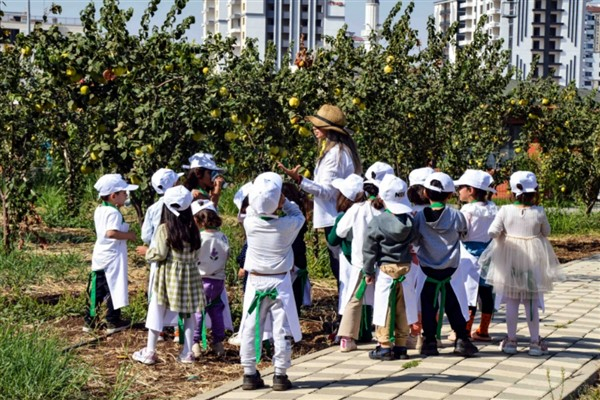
(106, 250)
(357, 219)
(479, 216)
(214, 252)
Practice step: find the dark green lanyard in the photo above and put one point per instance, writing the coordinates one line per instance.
(259, 296)
(107, 204)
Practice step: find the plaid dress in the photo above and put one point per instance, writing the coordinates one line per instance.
(178, 284)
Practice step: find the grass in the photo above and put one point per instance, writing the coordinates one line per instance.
(34, 367)
(19, 269)
(570, 222)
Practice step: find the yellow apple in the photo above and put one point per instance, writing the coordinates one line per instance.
(197, 136)
(274, 150)
(304, 131)
(26, 51)
(94, 156)
(388, 69)
(215, 113)
(84, 90)
(389, 59)
(138, 152)
(545, 101)
(294, 102)
(306, 174)
(234, 118)
(356, 101)
(149, 149)
(223, 91)
(205, 70)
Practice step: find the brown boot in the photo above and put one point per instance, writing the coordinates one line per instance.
(470, 322)
(481, 334)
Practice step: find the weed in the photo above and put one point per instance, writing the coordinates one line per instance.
(568, 222)
(19, 269)
(34, 367)
(411, 364)
(121, 389)
(138, 306)
(561, 383)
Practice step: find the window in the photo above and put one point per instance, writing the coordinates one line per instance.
(536, 31)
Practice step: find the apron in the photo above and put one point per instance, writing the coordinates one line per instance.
(152, 321)
(469, 269)
(307, 295)
(383, 284)
(116, 273)
(350, 281)
(285, 293)
(456, 282)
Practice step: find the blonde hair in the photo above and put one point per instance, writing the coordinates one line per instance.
(334, 138)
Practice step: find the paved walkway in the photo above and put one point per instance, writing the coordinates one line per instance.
(570, 324)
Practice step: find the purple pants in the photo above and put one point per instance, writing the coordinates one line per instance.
(214, 308)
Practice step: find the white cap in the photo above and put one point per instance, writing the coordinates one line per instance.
(266, 193)
(477, 179)
(445, 180)
(392, 191)
(177, 199)
(202, 204)
(523, 182)
(203, 160)
(112, 183)
(377, 171)
(350, 187)
(163, 179)
(241, 194)
(419, 175)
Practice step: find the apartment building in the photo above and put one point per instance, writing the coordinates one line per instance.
(13, 23)
(278, 21)
(562, 33)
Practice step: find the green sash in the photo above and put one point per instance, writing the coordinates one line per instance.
(93, 294)
(440, 289)
(392, 304)
(302, 274)
(259, 296)
(360, 292)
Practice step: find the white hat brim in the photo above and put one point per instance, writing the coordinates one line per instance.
(398, 208)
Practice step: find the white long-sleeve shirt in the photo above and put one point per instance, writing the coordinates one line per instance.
(152, 221)
(356, 219)
(523, 222)
(270, 240)
(336, 163)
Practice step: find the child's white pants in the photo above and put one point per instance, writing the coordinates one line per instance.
(282, 356)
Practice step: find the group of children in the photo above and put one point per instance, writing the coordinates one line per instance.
(403, 250)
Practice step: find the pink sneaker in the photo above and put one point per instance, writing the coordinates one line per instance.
(347, 344)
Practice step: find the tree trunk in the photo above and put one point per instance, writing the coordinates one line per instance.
(5, 224)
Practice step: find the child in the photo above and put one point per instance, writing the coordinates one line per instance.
(205, 180)
(178, 284)
(350, 192)
(522, 264)
(269, 260)
(214, 253)
(162, 179)
(387, 245)
(439, 231)
(300, 282)
(355, 291)
(108, 279)
(473, 189)
(416, 195)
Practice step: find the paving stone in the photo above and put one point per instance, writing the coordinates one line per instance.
(424, 394)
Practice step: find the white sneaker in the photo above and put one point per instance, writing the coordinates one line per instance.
(145, 357)
(235, 340)
(508, 346)
(347, 345)
(197, 350)
(538, 348)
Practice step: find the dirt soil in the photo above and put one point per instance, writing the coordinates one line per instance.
(108, 355)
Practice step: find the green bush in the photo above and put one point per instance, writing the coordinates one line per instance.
(34, 366)
(565, 221)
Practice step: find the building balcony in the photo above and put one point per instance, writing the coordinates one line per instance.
(556, 23)
(492, 24)
(235, 30)
(493, 11)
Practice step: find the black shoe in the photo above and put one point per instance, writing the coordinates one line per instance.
(281, 383)
(253, 382)
(430, 349)
(117, 326)
(400, 353)
(380, 353)
(465, 348)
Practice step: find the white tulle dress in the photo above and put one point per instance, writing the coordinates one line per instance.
(520, 262)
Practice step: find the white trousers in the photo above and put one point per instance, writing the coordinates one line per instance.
(282, 355)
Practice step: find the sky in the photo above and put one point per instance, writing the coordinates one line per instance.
(355, 11)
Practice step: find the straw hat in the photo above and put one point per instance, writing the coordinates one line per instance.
(329, 117)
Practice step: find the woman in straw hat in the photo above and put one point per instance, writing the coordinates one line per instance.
(338, 158)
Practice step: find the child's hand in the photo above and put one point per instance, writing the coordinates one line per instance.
(241, 273)
(369, 279)
(141, 250)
